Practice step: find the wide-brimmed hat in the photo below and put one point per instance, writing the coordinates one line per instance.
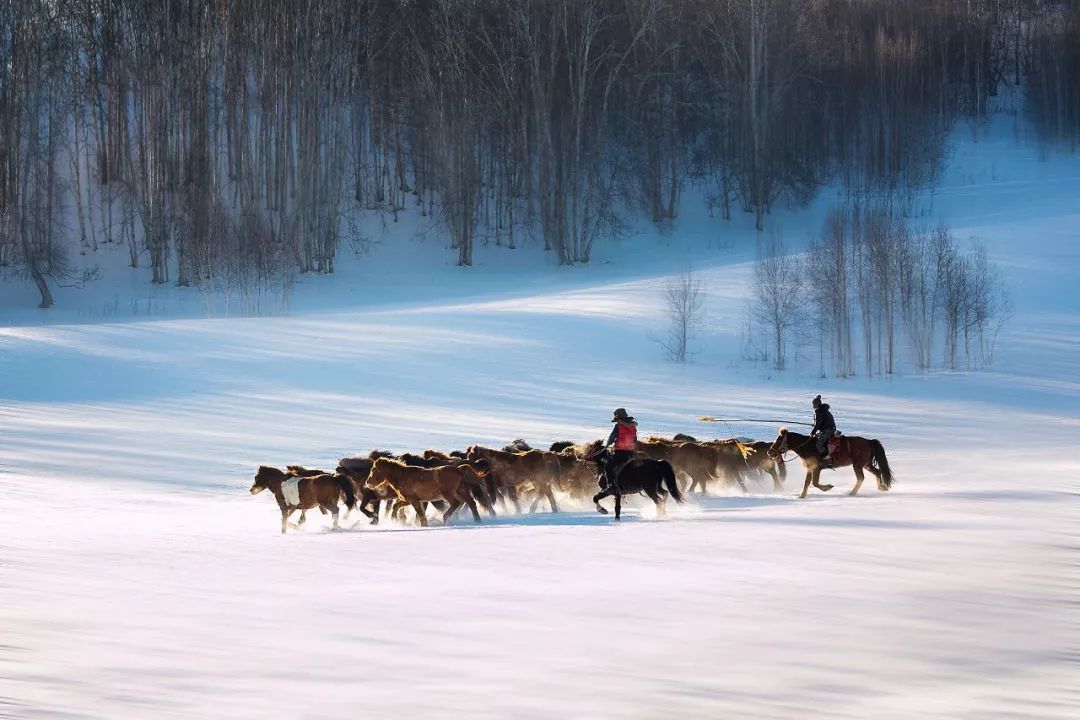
(620, 414)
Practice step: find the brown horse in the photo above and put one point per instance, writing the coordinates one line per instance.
(860, 453)
(514, 473)
(759, 461)
(304, 493)
(575, 477)
(416, 485)
(701, 462)
(301, 471)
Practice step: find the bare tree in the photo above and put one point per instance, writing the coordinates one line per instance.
(685, 303)
(778, 294)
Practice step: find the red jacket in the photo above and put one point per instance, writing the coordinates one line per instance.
(625, 436)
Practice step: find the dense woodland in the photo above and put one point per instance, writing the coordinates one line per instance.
(224, 142)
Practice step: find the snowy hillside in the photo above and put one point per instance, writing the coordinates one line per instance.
(139, 578)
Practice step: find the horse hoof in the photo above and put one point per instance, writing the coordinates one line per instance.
(601, 510)
(851, 494)
(826, 488)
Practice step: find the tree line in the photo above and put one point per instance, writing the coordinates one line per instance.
(869, 286)
(224, 143)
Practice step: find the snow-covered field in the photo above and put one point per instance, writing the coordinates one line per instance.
(138, 578)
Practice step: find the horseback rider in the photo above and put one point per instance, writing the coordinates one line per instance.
(824, 428)
(624, 439)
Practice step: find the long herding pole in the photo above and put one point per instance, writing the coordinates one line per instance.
(706, 418)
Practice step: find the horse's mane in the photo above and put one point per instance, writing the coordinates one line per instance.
(270, 470)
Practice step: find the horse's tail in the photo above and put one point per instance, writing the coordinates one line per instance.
(668, 475)
(346, 485)
(480, 486)
(877, 457)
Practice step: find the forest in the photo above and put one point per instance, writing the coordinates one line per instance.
(224, 142)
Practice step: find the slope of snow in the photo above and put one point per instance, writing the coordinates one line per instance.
(139, 578)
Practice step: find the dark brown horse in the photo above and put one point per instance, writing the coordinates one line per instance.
(860, 453)
(301, 471)
(303, 493)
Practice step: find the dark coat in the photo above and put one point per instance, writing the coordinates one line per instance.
(823, 420)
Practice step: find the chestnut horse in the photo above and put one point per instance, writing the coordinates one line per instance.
(517, 472)
(415, 485)
(321, 491)
(860, 453)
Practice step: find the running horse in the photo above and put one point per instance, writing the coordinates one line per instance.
(639, 474)
(860, 453)
(295, 492)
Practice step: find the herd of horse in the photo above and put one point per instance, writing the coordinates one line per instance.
(481, 477)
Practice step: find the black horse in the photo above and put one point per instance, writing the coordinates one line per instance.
(638, 475)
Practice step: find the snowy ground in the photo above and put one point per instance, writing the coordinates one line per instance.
(138, 578)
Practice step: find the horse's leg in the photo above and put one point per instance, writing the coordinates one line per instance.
(551, 499)
(536, 501)
(776, 484)
(693, 483)
(806, 485)
(618, 505)
(606, 492)
(877, 474)
(450, 510)
(818, 485)
(512, 492)
(285, 512)
(374, 512)
(334, 515)
(303, 517)
(858, 480)
(421, 514)
(661, 508)
(472, 506)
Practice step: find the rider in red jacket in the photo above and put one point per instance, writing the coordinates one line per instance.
(624, 439)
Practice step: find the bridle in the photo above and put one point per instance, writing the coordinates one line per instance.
(785, 449)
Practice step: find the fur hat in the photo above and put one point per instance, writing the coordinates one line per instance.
(817, 401)
(620, 414)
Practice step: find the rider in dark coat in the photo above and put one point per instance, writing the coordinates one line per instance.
(624, 439)
(824, 428)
